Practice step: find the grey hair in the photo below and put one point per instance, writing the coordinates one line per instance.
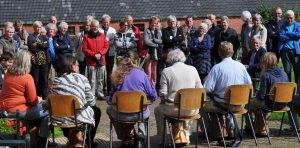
(62, 24)
(256, 37)
(290, 12)
(89, 17)
(246, 15)
(104, 16)
(204, 26)
(95, 21)
(175, 55)
(256, 16)
(171, 17)
(9, 28)
(37, 23)
(209, 15)
(50, 26)
(22, 63)
(224, 18)
(207, 22)
(43, 30)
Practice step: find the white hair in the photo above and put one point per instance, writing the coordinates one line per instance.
(94, 21)
(104, 16)
(50, 26)
(207, 22)
(62, 24)
(204, 26)
(245, 15)
(89, 17)
(171, 17)
(9, 28)
(175, 55)
(210, 15)
(256, 16)
(290, 12)
(37, 23)
(256, 37)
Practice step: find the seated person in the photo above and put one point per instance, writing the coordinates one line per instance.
(227, 72)
(253, 59)
(70, 82)
(128, 77)
(6, 61)
(271, 73)
(19, 93)
(172, 79)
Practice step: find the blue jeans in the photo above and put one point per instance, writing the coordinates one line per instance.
(37, 113)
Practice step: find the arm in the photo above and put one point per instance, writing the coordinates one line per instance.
(210, 81)
(157, 37)
(166, 38)
(31, 43)
(263, 88)
(59, 45)
(163, 92)
(118, 42)
(30, 92)
(105, 47)
(264, 36)
(147, 39)
(150, 90)
(45, 44)
(70, 43)
(179, 37)
(90, 98)
(86, 49)
(130, 41)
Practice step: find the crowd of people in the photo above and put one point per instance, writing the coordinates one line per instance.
(103, 60)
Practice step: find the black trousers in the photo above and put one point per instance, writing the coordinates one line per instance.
(40, 77)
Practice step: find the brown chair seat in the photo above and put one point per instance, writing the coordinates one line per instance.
(284, 109)
(195, 117)
(241, 112)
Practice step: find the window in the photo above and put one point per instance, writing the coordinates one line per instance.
(141, 26)
(71, 30)
(81, 28)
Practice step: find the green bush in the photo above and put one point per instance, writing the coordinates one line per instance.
(4, 129)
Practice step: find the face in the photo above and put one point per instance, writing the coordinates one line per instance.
(129, 19)
(7, 64)
(248, 21)
(277, 14)
(10, 33)
(51, 32)
(201, 30)
(290, 19)
(105, 22)
(75, 67)
(95, 27)
(37, 29)
(224, 25)
(189, 22)
(212, 19)
(18, 27)
(53, 20)
(124, 27)
(172, 23)
(256, 22)
(64, 29)
(87, 27)
(256, 44)
(153, 25)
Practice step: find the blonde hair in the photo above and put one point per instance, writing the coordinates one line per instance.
(22, 63)
(268, 61)
(225, 49)
(124, 67)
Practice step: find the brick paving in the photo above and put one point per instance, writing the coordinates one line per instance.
(286, 140)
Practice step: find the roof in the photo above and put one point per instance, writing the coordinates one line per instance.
(77, 10)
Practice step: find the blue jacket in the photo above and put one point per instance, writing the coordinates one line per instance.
(61, 45)
(202, 47)
(286, 36)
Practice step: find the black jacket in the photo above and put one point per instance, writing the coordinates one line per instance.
(171, 41)
(254, 70)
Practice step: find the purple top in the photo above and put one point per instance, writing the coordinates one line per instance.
(136, 80)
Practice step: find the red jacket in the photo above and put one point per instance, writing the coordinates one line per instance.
(92, 46)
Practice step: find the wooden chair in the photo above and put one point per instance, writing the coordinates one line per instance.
(66, 106)
(238, 95)
(129, 102)
(14, 138)
(187, 99)
(282, 92)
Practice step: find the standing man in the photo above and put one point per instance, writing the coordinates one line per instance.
(95, 47)
(289, 45)
(189, 22)
(273, 27)
(109, 33)
(53, 20)
(226, 33)
(214, 27)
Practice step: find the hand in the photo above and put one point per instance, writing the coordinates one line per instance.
(34, 44)
(39, 99)
(97, 56)
(69, 46)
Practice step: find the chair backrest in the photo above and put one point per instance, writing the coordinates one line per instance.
(129, 101)
(283, 92)
(190, 98)
(239, 94)
(63, 105)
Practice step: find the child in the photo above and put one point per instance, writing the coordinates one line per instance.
(6, 61)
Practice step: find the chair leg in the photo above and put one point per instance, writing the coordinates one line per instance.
(148, 137)
(171, 134)
(266, 125)
(90, 138)
(111, 135)
(221, 130)
(197, 133)
(205, 131)
(84, 134)
(52, 131)
(294, 125)
(164, 133)
(279, 133)
(251, 124)
(242, 126)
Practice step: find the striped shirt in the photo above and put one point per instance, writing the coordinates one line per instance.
(76, 85)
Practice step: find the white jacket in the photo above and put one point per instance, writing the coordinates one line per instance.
(110, 38)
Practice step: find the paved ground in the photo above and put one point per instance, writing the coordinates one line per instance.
(287, 140)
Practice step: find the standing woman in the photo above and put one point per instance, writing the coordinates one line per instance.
(39, 48)
(152, 39)
(200, 51)
(124, 40)
(259, 29)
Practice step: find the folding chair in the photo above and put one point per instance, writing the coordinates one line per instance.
(282, 92)
(66, 106)
(129, 102)
(187, 99)
(238, 95)
(14, 138)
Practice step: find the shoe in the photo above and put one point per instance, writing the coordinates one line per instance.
(261, 134)
(291, 129)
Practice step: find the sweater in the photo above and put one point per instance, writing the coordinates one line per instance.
(18, 92)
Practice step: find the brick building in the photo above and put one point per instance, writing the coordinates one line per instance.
(75, 11)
